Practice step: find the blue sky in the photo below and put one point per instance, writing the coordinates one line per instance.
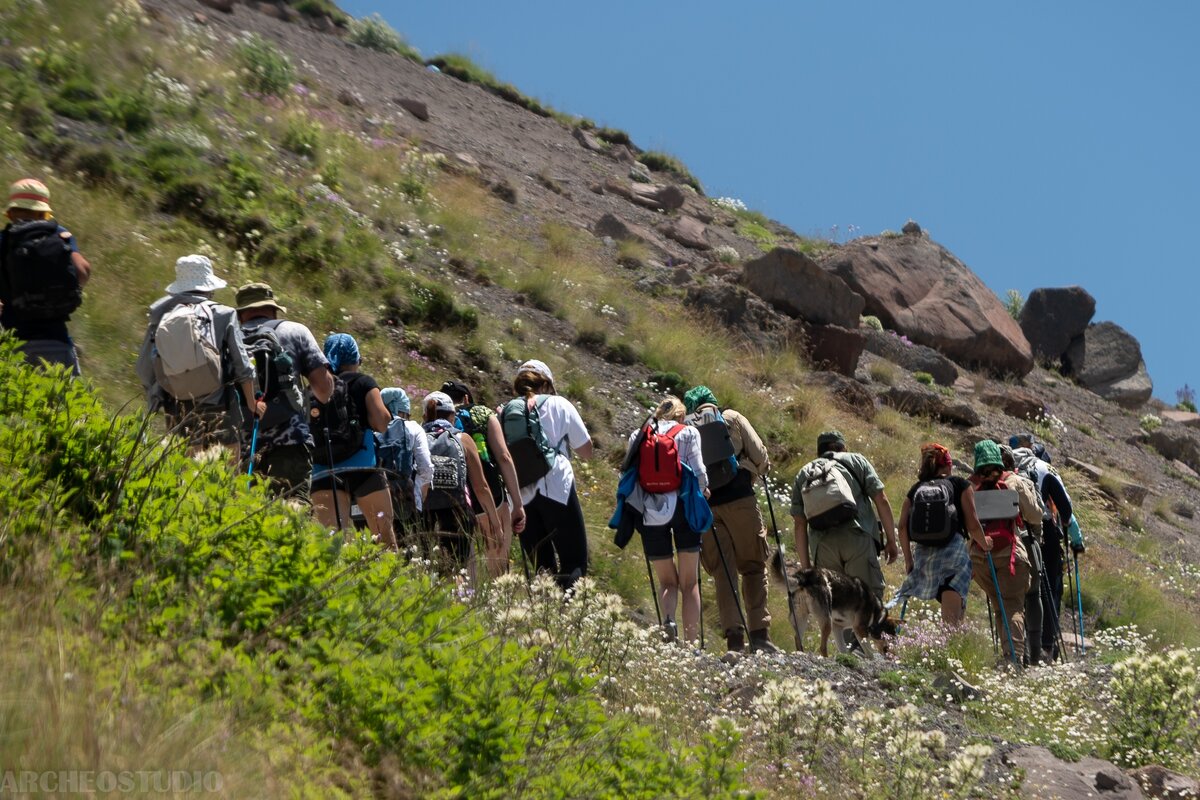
(1045, 144)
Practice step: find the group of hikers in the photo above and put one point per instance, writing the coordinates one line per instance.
(310, 422)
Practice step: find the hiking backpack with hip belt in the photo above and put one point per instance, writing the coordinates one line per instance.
(336, 429)
(187, 355)
(659, 468)
(275, 379)
(531, 453)
(827, 494)
(37, 275)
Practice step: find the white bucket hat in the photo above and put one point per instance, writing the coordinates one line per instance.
(194, 274)
(533, 365)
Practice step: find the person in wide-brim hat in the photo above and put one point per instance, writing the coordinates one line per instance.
(194, 275)
(257, 295)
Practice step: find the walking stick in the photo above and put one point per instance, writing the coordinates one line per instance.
(729, 577)
(1079, 602)
(1071, 602)
(653, 591)
(700, 594)
(992, 628)
(1012, 651)
(1057, 628)
(788, 584)
(337, 508)
(903, 609)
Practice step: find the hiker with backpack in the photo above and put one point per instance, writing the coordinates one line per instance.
(403, 453)
(734, 456)
(1003, 571)
(666, 455)
(457, 477)
(283, 450)
(193, 355)
(1057, 518)
(42, 275)
(541, 430)
(344, 460)
(1032, 511)
(483, 426)
(839, 497)
(936, 520)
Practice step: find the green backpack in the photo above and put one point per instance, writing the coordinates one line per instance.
(532, 455)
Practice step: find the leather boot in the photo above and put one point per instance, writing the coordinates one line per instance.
(760, 642)
(734, 641)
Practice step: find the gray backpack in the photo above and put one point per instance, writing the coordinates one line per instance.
(449, 487)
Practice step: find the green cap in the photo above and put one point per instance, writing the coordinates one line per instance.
(698, 396)
(829, 438)
(987, 454)
(257, 295)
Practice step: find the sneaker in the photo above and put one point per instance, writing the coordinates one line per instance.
(760, 642)
(670, 631)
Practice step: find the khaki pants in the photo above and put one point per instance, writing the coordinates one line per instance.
(1013, 588)
(850, 552)
(738, 525)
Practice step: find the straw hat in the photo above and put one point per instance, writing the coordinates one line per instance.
(30, 194)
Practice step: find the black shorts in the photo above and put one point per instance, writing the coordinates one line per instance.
(491, 472)
(358, 482)
(657, 539)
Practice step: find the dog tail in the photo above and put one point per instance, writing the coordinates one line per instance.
(812, 581)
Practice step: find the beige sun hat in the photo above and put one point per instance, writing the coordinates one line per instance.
(194, 273)
(29, 194)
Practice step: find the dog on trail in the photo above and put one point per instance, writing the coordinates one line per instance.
(837, 601)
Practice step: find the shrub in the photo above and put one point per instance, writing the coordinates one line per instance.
(1157, 700)
(923, 377)
(374, 33)
(726, 254)
(884, 372)
(871, 321)
(302, 138)
(264, 68)
(613, 136)
(1186, 398)
(669, 382)
(1150, 422)
(1014, 302)
(665, 162)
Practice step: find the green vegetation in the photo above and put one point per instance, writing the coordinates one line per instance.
(373, 33)
(665, 162)
(1014, 302)
(466, 70)
(264, 68)
(923, 377)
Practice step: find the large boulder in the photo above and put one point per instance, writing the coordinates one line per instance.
(735, 307)
(1016, 402)
(689, 232)
(616, 228)
(913, 357)
(924, 403)
(1086, 779)
(1051, 318)
(1159, 782)
(797, 286)
(918, 288)
(832, 347)
(1108, 360)
(1176, 443)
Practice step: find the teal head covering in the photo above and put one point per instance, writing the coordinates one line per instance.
(987, 454)
(341, 349)
(396, 401)
(698, 396)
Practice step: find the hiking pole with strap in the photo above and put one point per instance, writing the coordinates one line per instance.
(992, 628)
(1055, 626)
(337, 507)
(654, 591)
(700, 595)
(729, 577)
(788, 584)
(1079, 602)
(1012, 651)
(1071, 601)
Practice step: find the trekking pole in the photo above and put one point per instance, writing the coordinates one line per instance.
(729, 577)
(1055, 626)
(1079, 602)
(1071, 602)
(1012, 651)
(903, 609)
(700, 594)
(254, 439)
(788, 584)
(654, 592)
(992, 628)
(337, 509)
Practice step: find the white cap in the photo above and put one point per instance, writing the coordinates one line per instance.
(194, 274)
(533, 365)
(443, 401)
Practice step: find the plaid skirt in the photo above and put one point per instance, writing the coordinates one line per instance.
(935, 567)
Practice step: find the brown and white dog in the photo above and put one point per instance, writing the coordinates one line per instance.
(837, 601)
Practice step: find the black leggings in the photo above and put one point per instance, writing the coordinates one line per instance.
(555, 538)
(1052, 555)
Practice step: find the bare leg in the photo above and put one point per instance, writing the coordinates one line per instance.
(668, 586)
(689, 590)
(377, 509)
(497, 553)
(952, 608)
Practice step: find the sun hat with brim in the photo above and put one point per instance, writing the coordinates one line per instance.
(533, 365)
(987, 455)
(29, 194)
(441, 400)
(829, 438)
(257, 295)
(195, 274)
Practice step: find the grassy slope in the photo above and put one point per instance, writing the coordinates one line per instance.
(267, 222)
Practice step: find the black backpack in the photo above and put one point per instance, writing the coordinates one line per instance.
(275, 379)
(716, 448)
(37, 276)
(336, 429)
(933, 519)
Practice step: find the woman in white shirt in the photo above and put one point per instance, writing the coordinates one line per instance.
(660, 518)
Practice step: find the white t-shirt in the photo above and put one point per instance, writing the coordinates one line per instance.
(659, 509)
(565, 431)
(418, 444)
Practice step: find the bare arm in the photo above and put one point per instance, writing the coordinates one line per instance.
(585, 450)
(508, 470)
(320, 380)
(491, 522)
(905, 545)
(83, 267)
(801, 526)
(378, 417)
(884, 508)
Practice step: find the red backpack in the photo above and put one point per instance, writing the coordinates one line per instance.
(659, 470)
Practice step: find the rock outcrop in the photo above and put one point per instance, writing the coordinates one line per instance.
(1177, 443)
(1016, 402)
(924, 403)
(918, 288)
(913, 357)
(1159, 782)
(737, 308)
(832, 347)
(1108, 360)
(794, 283)
(1053, 317)
(1086, 779)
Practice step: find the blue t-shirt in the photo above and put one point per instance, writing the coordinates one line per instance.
(29, 331)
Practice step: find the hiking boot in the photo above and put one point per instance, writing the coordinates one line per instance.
(760, 642)
(734, 642)
(670, 631)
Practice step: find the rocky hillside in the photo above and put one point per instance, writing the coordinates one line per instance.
(455, 227)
